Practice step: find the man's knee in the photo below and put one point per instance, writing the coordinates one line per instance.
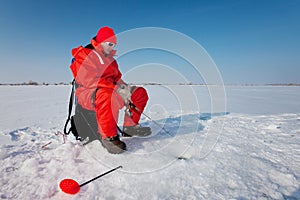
(140, 94)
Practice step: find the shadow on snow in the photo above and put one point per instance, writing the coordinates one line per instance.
(173, 128)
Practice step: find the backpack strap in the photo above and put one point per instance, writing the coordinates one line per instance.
(70, 109)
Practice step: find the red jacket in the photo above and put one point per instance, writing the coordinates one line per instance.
(91, 70)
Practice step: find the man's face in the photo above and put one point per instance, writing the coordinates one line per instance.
(108, 47)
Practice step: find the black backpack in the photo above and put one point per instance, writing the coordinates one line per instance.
(83, 124)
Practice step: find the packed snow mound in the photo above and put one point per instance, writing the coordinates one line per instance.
(203, 155)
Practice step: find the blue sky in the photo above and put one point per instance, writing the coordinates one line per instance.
(251, 41)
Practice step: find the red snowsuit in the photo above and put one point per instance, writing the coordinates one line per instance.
(97, 77)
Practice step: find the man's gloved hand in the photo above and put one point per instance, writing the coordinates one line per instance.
(124, 91)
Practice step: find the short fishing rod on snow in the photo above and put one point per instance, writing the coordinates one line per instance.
(70, 186)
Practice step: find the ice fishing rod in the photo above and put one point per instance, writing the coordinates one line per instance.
(70, 186)
(156, 123)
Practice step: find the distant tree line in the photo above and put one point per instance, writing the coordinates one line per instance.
(34, 83)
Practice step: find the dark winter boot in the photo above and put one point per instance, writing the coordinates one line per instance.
(114, 145)
(137, 130)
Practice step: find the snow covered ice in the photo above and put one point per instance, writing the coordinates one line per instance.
(255, 156)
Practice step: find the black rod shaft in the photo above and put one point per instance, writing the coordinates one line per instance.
(157, 124)
(100, 176)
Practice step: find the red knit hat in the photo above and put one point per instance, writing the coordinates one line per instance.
(106, 34)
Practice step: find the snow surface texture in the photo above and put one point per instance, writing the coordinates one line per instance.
(255, 156)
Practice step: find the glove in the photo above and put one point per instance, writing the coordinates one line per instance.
(124, 91)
